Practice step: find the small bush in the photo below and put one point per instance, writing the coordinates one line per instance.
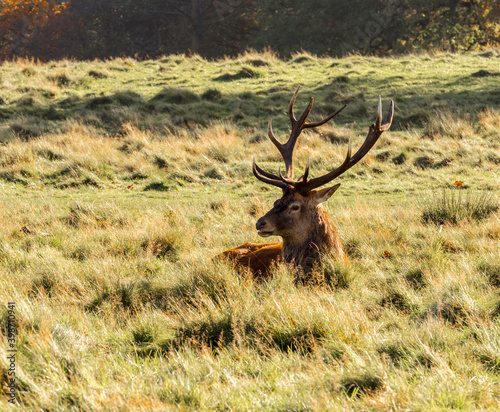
(50, 154)
(257, 63)
(424, 162)
(42, 285)
(214, 333)
(454, 206)
(28, 71)
(491, 361)
(353, 248)
(213, 173)
(332, 274)
(303, 58)
(28, 128)
(454, 312)
(160, 162)
(122, 295)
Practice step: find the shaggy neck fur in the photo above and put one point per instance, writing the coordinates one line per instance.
(320, 238)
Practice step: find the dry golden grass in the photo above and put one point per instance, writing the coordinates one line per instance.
(120, 306)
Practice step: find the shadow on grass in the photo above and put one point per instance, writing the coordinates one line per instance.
(35, 113)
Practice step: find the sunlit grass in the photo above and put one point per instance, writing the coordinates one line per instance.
(123, 179)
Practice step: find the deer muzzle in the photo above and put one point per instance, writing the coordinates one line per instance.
(263, 228)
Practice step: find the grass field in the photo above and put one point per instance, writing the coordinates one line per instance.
(120, 180)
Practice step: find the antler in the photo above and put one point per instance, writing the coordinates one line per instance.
(303, 185)
(286, 149)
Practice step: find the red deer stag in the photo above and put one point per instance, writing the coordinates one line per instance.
(298, 216)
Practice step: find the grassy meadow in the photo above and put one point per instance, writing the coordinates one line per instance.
(121, 179)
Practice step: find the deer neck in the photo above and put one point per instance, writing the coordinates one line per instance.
(318, 237)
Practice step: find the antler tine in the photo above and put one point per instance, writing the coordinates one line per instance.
(374, 132)
(268, 178)
(286, 149)
(284, 179)
(272, 137)
(378, 122)
(306, 186)
(297, 126)
(303, 178)
(264, 173)
(290, 106)
(316, 124)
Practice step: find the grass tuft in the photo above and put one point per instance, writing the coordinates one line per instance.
(244, 73)
(176, 96)
(416, 279)
(492, 272)
(361, 384)
(453, 206)
(300, 339)
(83, 214)
(212, 95)
(397, 301)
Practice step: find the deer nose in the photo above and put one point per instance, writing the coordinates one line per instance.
(260, 224)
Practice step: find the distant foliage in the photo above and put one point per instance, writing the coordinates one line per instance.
(86, 29)
(377, 26)
(452, 24)
(22, 23)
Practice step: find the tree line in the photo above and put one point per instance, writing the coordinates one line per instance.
(87, 29)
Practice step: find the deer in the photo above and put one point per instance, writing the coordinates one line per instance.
(299, 217)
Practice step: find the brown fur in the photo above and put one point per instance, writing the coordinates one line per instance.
(258, 258)
(321, 239)
(307, 234)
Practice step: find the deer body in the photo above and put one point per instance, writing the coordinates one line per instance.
(258, 258)
(298, 216)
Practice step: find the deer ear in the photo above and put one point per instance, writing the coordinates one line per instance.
(322, 195)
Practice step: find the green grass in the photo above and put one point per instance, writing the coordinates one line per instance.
(455, 206)
(131, 176)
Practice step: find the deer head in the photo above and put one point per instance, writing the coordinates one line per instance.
(298, 216)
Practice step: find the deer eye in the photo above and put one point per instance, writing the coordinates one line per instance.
(295, 207)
